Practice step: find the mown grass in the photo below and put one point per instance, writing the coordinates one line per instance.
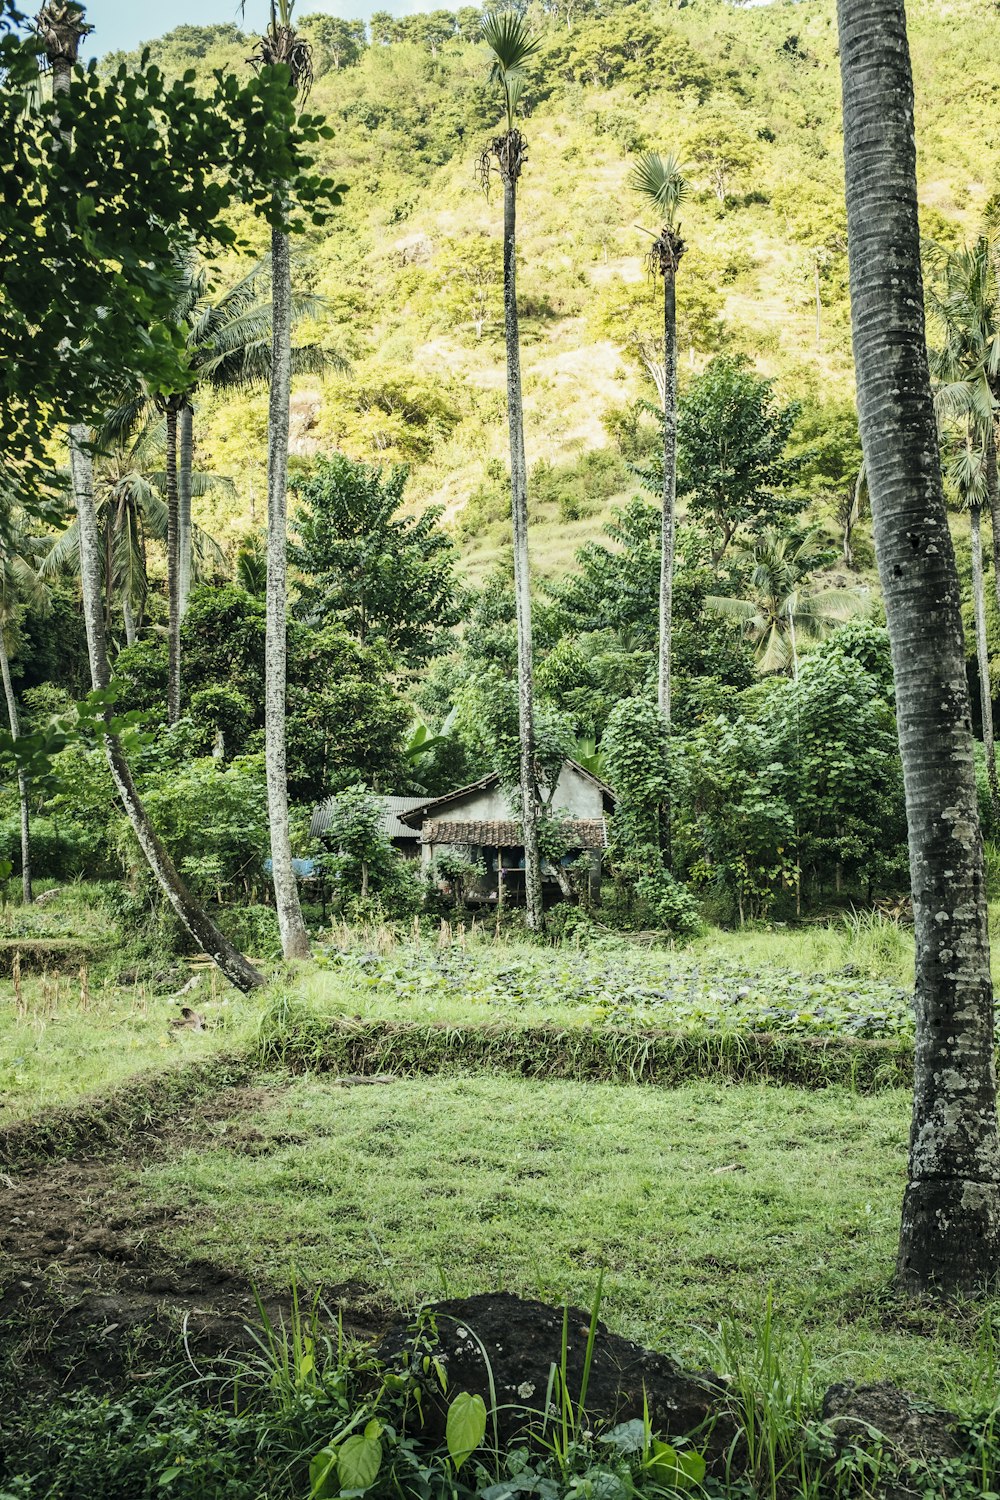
(698, 1201)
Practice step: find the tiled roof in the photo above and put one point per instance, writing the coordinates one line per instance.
(582, 833)
(390, 824)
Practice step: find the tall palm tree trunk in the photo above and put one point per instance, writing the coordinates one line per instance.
(668, 524)
(173, 573)
(185, 454)
(983, 657)
(204, 931)
(522, 576)
(294, 938)
(993, 500)
(23, 789)
(950, 1228)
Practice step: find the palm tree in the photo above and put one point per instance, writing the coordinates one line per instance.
(964, 300)
(512, 45)
(20, 586)
(227, 348)
(950, 1228)
(62, 41)
(131, 510)
(967, 471)
(280, 45)
(659, 181)
(779, 611)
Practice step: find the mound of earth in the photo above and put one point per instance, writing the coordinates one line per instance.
(515, 1342)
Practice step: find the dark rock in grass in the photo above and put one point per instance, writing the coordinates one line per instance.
(916, 1439)
(520, 1340)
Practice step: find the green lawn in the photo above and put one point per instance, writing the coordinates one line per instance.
(698, 1201)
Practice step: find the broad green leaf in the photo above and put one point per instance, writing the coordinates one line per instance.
(466, 1426)
(323, 1481)
(359, 1461)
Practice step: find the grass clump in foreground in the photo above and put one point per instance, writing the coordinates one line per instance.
(696, 1201)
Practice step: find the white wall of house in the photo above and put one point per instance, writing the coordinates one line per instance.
(574, 794)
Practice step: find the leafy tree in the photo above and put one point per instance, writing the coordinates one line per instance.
(637, 748)
(732, 437)
(21, 588)
(724, 149)
(335, 43)
(779, 610)
(950, 1230)
(384, 574)
(659, 182)
(507, 36)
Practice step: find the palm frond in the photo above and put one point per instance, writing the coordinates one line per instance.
(510, 39)
(660, 180)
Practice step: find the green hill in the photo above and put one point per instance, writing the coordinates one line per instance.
(749, 98)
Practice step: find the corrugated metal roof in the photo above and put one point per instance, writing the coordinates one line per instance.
(486, 782)
(390, 824)
(582, 833)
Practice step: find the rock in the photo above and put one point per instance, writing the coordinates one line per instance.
(522, 1340)
(914, 1434)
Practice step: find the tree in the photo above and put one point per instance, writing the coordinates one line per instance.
(724, 149)
(226, 347)
(779, 611)
(280, 46)
(659, 181)
(732, 435)
(512, 45)
(967, 470)
(950, 1230)
(335, 42)
(386, 575)
(20, 586)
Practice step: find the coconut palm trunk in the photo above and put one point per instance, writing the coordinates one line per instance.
(950, 1227)
(173, 570)
(294, 938)
(23, 789)
(204, 931)
(510, 169)
(983, 657)
(185, 456)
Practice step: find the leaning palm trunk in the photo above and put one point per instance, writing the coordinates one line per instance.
(232, 963)
(173, 579)
(23, 789)
(950, 1229)
(510, 164)
(983, 658)
(185, 453)
(294, 938)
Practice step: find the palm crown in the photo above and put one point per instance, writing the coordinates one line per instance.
(660, 180)
(512, 44)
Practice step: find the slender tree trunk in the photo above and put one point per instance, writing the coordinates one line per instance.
(185, 455)
(23, 789)
(522, 576)
(993, 499)
(173, 574)
(232, 963)
(129, 621)
(294, 938)
(950, 1227)
(668, 529)
(983, 658)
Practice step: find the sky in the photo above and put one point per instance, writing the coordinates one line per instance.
(126, 23)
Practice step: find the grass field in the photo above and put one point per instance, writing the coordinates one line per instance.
(699, 1202)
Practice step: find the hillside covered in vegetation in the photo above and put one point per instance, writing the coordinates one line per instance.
(410, 271)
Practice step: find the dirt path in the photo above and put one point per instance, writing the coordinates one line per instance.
(86, 1289)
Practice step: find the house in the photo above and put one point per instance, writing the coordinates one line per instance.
(479, 823)
(402, 837)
